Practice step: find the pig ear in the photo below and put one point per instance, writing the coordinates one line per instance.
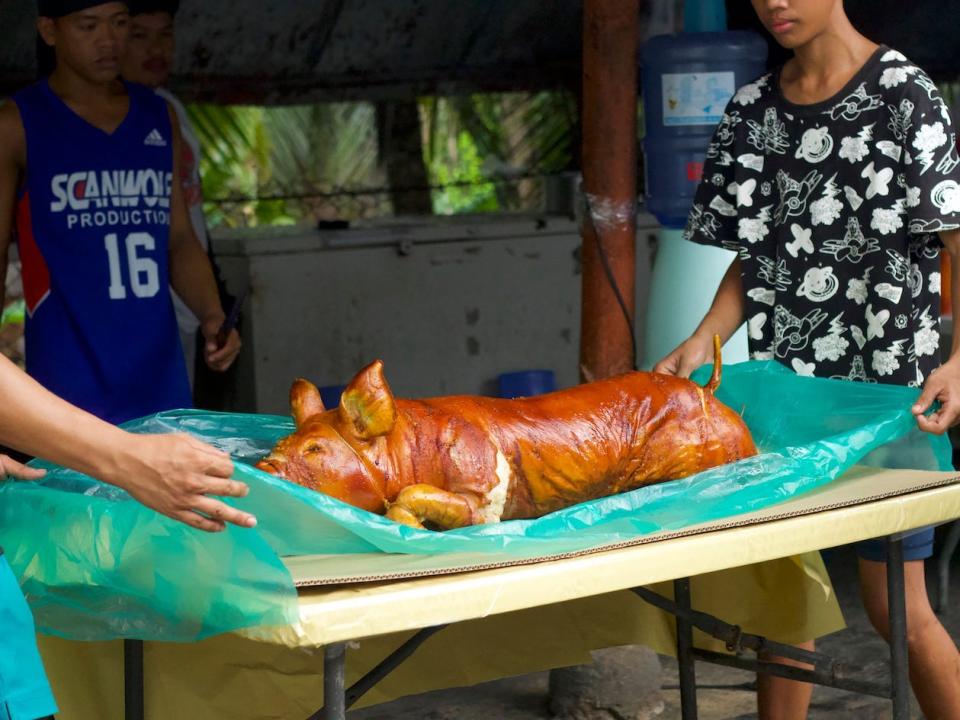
(367, 406)
(305, 401)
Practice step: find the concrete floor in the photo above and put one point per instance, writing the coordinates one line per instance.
(723, 694)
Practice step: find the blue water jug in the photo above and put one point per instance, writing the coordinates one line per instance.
(525, 383)
(330, 395)
(687, 81)
(704, 16)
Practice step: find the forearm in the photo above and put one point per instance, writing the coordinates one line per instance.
(190, 272)
(726, 314)
(192, 279)
(6, 237)
(3, 274)
(37, 422)
(955, 306)
(951, 244)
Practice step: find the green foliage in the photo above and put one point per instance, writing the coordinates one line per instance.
(277, 165)
(462, 172)
(508, 135)
(236, 162)
(14, 313)
(317, 148)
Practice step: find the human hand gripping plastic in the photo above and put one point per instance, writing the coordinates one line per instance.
(943, 386)
(176, 475)
(10, 467)
(688, 356)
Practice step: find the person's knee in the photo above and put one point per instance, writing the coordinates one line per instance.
(921, 623)
(920, 618)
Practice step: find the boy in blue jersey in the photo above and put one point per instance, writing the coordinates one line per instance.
(86, 169)
(175, 475)
(836, 179)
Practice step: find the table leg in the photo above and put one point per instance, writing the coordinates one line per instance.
(896, 601)
(133, 680)
(943, 565)
(685, 660)
(334, 690)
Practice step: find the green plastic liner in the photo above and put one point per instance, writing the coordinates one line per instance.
(96, 564)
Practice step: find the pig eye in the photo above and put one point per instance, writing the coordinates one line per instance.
(311, 448)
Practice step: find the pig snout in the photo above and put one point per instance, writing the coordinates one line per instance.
(269, 465)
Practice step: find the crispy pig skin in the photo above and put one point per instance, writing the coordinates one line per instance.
(507, 459)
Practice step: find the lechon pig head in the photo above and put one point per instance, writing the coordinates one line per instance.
(338, 452)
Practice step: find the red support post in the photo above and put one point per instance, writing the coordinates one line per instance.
(609, 116)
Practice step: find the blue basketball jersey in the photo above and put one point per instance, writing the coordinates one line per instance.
(93, 226)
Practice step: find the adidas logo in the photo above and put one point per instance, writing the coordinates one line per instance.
(155, 138)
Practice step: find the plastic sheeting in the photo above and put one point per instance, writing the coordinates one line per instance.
(97, 565)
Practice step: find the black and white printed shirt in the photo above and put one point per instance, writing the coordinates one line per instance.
(834, 209)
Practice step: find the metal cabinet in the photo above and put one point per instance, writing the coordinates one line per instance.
(448, 303)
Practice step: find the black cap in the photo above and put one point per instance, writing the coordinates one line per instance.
(59, 8)
(145, 7)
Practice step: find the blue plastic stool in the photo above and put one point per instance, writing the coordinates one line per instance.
(330, 394)
(525, 383)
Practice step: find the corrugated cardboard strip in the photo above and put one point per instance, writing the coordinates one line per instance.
(857, 487)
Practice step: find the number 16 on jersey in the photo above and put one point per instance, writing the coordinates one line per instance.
(142, 271)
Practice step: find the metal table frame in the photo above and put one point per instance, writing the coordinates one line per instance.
(825, 670)
(338, 698)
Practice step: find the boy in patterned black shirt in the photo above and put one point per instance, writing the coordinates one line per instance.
(835, 179)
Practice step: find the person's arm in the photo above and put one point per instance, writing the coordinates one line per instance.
(706, 225)
(944, 382)
(173, 474)
(928, 205)
(951, 241)
(190, 273)
(12, 156)
(725, 315)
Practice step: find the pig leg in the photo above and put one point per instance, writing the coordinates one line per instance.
(419, 504)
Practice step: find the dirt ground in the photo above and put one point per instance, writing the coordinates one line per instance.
(723, 694)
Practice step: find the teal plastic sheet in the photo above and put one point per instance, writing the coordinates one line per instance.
(96, 565)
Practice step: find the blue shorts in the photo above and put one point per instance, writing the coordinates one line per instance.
(918, 545)
(24, 691)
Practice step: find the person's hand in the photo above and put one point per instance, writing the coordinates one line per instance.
(176, 475)
(219, 358)
(943, 385)
(691, 354)
(9, 466)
